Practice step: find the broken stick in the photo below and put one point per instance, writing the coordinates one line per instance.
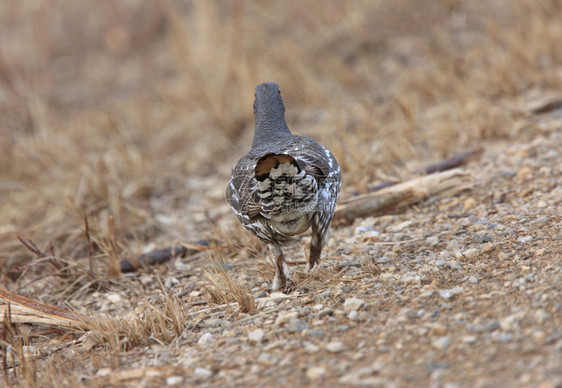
(440, 184)
(161, 255)
(25, 310)
(443, 165)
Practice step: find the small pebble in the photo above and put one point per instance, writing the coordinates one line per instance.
(454, 265)
(509, 322)
(445, 294)
(441, 343)
(492, 326)
(469, 339)
(256, 336)
(541, 316)
(523, 174)
(470, 253)
(325, 312)
(432, 241)
(363, 229)
(315, 373)
(335, 347)
(316, 333)
(524, 239)
(297, 325)
(469, 203)
(202, 373)
(103, 372)
(353, 304)
(311, 348)
(285, 318)
(477, 239)
(113, 297)
(172, 381)
(457, 290)
(206, 339)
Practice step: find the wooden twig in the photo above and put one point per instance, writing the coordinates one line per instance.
(390, 198)
(30, 245)
(21, 309)
(543, 104)
(161, 255)
(453, 162)
(443, 165)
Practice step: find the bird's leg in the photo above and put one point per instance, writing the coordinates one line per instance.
(316, 243)
(280, 279)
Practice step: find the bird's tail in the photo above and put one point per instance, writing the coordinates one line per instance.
(283, 185)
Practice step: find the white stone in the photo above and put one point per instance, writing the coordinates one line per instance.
(401, 226)
(353, 316)
(445, 294)
(541, 316)
(335, 347)
(353, 304)
(206, 339)
(441, 343)
(509, 322)
(457, 290)
(433, 240)
(283, 319)
(113, 297)
(315, 373)
(311, 348)
(203, 373)
(174, 380)
(103, 372)
(470, 253)
(256, 336)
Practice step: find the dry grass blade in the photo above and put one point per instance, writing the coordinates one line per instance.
(223, 290)
(162, 321)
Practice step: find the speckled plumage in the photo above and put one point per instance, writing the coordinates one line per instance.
(285, 185)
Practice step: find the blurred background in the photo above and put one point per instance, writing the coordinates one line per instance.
(134, 112)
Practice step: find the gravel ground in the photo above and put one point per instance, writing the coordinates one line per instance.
(128, 116)
(458, 292)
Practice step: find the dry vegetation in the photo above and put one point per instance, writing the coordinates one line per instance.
(120, 123)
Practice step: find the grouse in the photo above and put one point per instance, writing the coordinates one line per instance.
(285, 185)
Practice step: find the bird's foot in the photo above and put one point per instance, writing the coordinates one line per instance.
(285, 285)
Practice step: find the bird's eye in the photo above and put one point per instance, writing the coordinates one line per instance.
(279, 91)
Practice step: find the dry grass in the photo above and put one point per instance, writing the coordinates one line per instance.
(222, 289)
(133, 114)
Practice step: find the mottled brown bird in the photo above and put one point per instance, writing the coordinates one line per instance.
(285, 185)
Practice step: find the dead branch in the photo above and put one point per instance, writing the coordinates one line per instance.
(543, 104)
(24, 310)
(454, 161)
(407, 193)
(30, 245)
(161, 255)
(443, 165)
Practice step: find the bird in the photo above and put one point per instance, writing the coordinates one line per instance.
(285, 185)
